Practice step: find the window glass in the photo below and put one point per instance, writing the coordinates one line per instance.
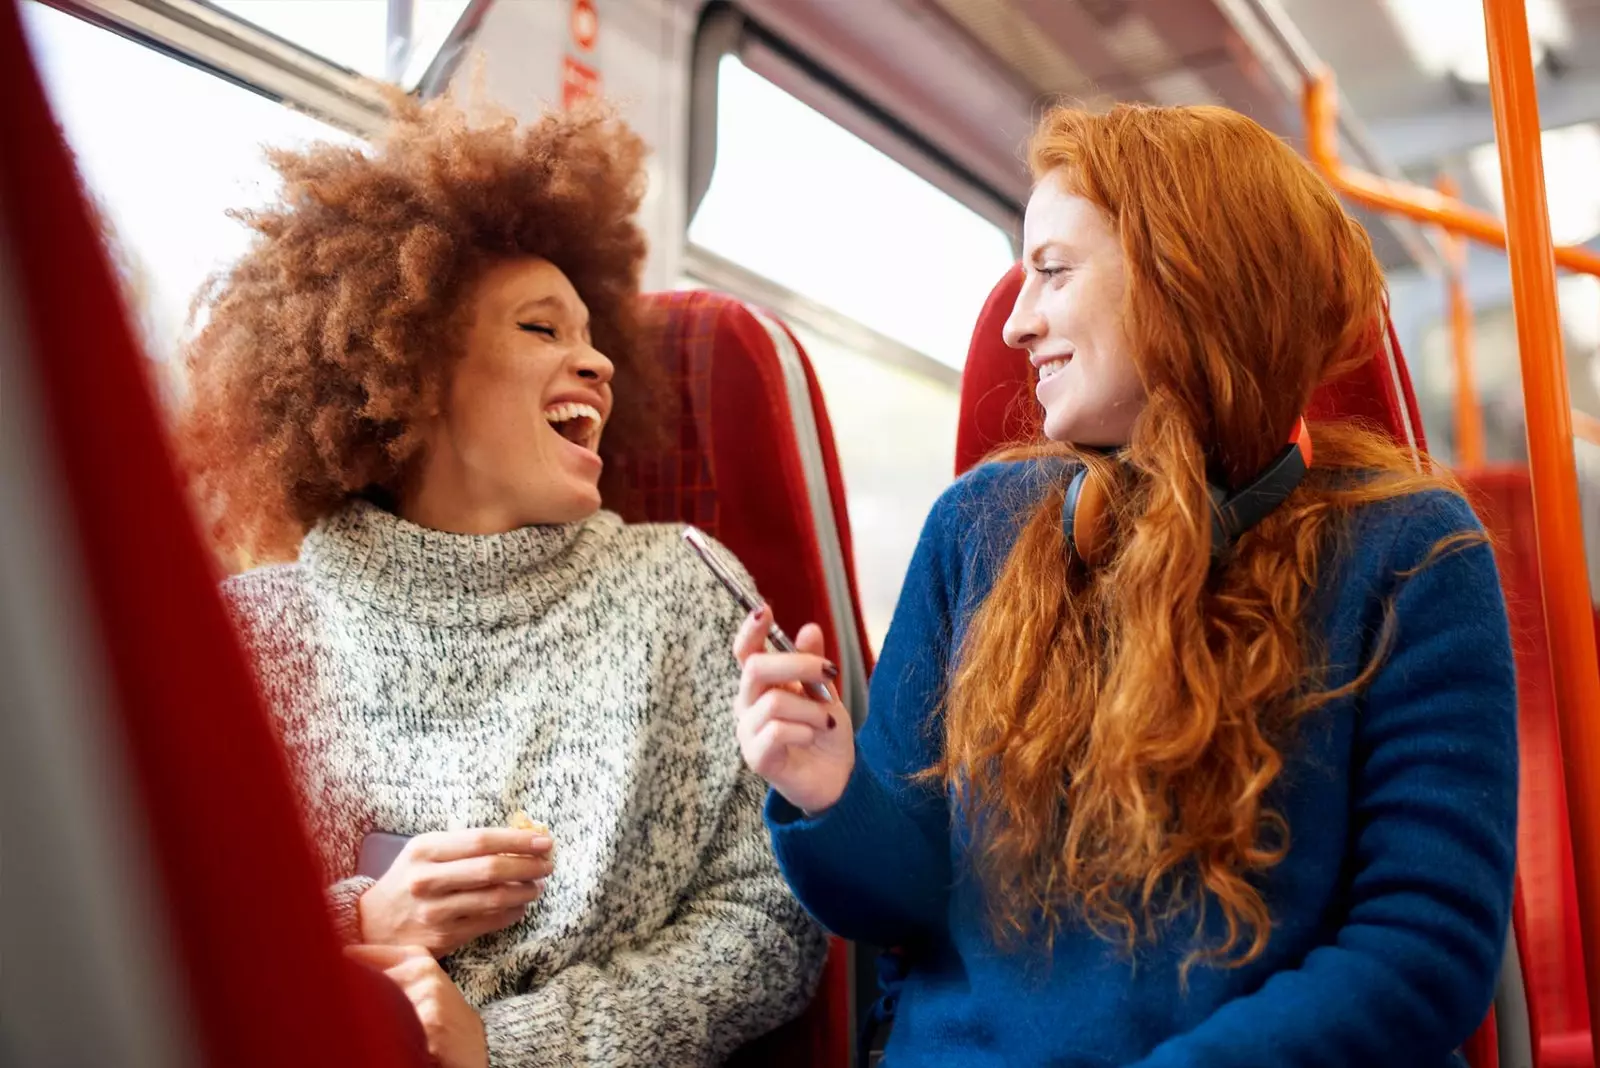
(354, 33)
(166, 149)
(800, 200)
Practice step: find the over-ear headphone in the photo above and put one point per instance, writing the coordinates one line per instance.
(1085, 516)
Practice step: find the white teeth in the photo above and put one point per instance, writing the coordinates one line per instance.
(1053, 368)
(563, 413)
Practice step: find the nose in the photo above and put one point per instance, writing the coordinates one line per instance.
(592, 365)
(1025, 325)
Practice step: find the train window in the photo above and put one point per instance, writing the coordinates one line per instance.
(880, 273)
(378, 38)
(166, 149)
(801, 201)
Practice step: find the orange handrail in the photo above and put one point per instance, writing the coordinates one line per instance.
(1413, 201)
(1469, 416)
(1569, 614)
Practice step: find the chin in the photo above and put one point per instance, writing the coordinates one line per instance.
(577, 505)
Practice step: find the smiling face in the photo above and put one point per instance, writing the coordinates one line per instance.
(1069, 319)
(515, 441)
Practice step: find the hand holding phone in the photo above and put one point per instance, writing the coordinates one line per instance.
(446, 888)
(792, 730)
(749, 602)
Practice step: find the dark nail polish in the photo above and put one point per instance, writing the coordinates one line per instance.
(832, 723)
(830, 671)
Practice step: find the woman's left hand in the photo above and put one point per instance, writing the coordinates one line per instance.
(454, 1029)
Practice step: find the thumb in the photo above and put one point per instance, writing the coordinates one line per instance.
(810, 640)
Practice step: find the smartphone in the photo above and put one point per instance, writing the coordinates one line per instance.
(747, 600)
(378, 851)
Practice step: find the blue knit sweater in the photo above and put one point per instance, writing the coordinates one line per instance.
(1389, 912)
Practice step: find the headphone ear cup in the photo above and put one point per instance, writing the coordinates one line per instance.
(1086, 519)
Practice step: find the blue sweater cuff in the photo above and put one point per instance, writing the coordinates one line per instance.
(863, 868)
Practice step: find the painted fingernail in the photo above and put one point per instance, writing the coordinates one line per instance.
(830, 670)
(832, 723)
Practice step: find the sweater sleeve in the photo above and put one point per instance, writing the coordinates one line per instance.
(876, 866)
(1412, 970)
(738, 958)
(262, 604)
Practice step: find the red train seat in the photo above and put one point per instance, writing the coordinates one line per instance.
(998, 409)
(1547, 895)
(753, 464)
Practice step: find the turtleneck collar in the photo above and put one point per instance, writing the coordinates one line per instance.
(375, 558)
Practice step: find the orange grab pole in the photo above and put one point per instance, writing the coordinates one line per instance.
(1469, 416)
(1569, 615)
(1413, 201)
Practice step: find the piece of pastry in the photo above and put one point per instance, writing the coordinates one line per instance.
(523, 822)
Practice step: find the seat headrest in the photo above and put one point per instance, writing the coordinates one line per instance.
(998, 408)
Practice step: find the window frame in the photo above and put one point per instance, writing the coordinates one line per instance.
(222, 44)
(724, 30)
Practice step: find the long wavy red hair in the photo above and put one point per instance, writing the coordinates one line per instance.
(1112, 735)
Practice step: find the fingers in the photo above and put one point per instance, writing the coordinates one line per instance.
(476, 873)
(490, 922)
(752, 636)
(783, 706)
(493, 901)
(442, 846)
(810, 640)
(768, 671)
(768, 750)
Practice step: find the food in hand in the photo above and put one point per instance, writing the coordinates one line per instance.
(523, 822)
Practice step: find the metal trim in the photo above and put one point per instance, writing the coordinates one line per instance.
(213, 40)
(719, 273)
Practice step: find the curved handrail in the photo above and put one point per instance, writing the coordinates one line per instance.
(1413, 201)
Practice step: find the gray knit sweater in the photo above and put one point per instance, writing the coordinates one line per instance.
(424, 681)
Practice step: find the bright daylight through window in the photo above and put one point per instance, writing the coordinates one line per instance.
(167, 149)
(806, 204)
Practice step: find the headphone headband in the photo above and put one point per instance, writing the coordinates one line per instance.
(1085, 512)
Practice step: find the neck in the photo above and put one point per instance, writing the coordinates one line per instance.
(447, 495)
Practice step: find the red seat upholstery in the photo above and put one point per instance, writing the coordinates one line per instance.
(734, 471)
(235, 899)
(998, 409)
(1547, 895)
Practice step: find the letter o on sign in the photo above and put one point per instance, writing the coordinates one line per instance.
(585, 24)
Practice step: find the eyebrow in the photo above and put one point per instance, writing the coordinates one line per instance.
(555, 304)
(1053, 244)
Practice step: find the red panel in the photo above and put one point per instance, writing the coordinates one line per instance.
(265, 985)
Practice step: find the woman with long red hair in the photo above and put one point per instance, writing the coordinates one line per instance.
(1193, 742)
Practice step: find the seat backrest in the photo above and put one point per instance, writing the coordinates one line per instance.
(752, 462)
(1547, 896)
(997, 406)
(151, 831)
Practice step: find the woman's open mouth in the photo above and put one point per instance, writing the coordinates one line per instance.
(578, 423)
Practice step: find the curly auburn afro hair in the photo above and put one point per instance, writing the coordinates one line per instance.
(329, 341)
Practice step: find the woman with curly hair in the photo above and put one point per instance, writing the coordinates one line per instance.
(1188, 747)
(400, 406)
